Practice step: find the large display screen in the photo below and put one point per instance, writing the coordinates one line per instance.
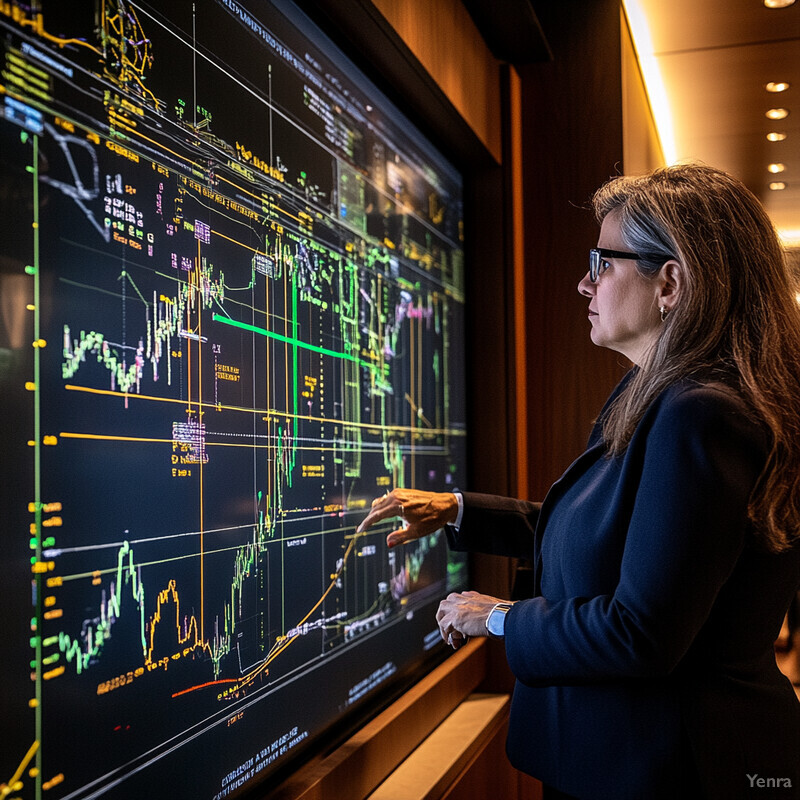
(232, 314)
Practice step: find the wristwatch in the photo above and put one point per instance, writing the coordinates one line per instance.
(496, 620)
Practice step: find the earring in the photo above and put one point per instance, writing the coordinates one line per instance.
(663, 311)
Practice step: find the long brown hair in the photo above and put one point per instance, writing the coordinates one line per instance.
(737, 316)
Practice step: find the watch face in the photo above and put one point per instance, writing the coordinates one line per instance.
(496, 622)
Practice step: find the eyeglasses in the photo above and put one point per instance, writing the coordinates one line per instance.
(597, 264)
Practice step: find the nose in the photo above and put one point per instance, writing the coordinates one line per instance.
(585, 286)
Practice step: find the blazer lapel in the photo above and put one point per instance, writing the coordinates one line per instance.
(573, 472)
(594, 450)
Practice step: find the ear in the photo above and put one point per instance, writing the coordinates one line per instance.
(670, 282)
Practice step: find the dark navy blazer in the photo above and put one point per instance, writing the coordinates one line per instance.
(645, 661)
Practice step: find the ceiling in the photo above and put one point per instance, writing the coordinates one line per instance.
(715, 58)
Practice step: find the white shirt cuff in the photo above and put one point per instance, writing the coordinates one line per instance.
(459, 497)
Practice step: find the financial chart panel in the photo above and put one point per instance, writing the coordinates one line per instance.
(231, 275)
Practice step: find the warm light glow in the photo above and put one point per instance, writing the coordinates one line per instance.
(789, 238)
(777, 113)
(777, 87)
(776, 168)
(653, 82)
(777, 186)
(778, 3)
(774, 136)
(797, 297)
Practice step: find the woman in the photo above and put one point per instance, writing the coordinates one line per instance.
(665, 557)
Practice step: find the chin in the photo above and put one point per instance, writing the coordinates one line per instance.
(597, 337)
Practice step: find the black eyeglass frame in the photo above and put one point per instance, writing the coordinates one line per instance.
(597, 254)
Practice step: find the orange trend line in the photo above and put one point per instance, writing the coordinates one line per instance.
(204, 685)
(280, 646)
(285, 643)
(37, 23)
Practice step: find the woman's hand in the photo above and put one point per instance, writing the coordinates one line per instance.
(463, 614)
(422, 513)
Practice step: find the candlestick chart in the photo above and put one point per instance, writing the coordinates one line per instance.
(232, 315)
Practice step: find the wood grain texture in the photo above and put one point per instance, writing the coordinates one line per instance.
(572, 134)
(444, 38)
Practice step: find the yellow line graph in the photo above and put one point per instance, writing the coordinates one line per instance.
(14, 785)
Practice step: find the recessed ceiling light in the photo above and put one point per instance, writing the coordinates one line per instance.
(777, 113)
(778, 3)
(777, 186)
(774, 136)
(776, 168)
(782, 86)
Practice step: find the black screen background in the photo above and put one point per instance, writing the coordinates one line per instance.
(241, 269)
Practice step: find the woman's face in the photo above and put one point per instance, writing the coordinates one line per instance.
(623, 306)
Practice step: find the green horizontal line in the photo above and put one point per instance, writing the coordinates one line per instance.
(289, 340)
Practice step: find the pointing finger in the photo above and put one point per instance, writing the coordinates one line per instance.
(382, 507)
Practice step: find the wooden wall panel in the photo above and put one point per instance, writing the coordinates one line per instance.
(513, 159)
(443, 37)
(491, 775)
(572, 134)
